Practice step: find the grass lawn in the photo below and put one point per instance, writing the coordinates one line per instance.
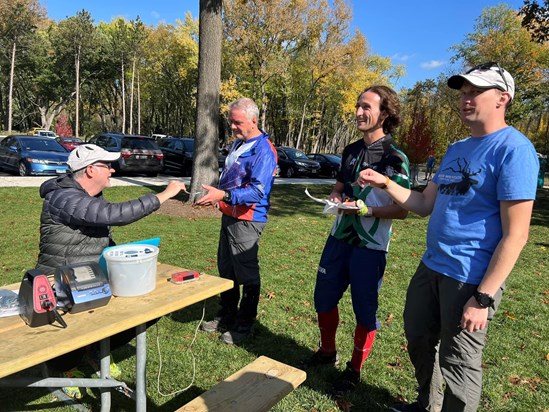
(516, 359)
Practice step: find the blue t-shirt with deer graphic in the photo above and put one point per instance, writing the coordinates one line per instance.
(474, 176)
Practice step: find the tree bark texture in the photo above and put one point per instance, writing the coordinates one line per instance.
(205, 166)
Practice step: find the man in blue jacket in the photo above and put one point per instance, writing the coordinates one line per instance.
(243, 197)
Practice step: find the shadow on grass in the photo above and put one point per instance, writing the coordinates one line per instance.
(284, 349)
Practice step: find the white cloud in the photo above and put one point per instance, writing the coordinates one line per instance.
(433, 64)
(402, 57)
(155, 14)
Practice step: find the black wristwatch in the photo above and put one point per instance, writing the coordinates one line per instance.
(227, 197)
(484, 300)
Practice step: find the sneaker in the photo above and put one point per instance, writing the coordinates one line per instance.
(73, 391)
(238, 333)
(346, 383)
(319, 358)
(218, 324)
(407, 407)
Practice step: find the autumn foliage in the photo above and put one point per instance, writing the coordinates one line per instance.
(62, 127)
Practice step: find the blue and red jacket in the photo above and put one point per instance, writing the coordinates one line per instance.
(249, 179)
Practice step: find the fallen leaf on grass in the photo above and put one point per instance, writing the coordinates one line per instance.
(509, 315)
(270, 295)
(531, 383)
(547, 356)
(389, 319)
(396, 364)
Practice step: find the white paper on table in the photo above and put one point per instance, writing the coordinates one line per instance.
(330, 206)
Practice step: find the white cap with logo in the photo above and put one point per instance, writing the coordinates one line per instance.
(485, 76)
(87, 154)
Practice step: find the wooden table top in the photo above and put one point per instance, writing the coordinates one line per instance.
(22, 347)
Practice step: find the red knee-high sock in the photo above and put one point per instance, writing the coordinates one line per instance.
(364, 339)
(327, 322)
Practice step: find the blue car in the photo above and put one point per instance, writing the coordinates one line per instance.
(33, 155)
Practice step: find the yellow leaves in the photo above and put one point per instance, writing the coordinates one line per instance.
(509, 315)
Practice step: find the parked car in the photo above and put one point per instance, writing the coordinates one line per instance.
(44, 133)
(158, 137)
(32, 155)
(329, 163)
(139, 154)
(69, 143)
(293, 162)
(178, 154)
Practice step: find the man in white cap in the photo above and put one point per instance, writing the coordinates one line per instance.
(75, 225)
(480, 201)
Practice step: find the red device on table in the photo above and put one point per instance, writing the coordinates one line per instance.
(184, 277)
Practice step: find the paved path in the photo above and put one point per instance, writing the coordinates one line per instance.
(161, 180)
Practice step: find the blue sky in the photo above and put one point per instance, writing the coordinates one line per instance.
(417, 34)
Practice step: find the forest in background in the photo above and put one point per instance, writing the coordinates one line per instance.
(298, 59)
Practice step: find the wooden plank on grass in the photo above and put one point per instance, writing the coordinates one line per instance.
(256, 387)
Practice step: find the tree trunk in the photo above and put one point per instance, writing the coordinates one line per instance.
(131, 97)
(77, 117)
(138, 104)
(10, 92)
(205, 166)
(123, 99)
(301, 125)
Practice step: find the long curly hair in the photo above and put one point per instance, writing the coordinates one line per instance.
(389, 103)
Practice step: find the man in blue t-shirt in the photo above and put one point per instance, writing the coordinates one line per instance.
(480, 202)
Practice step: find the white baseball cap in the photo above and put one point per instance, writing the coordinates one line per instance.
(87, 154)
(486, 76)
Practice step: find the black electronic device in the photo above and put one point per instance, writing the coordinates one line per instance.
(81, 286)
(37, 303)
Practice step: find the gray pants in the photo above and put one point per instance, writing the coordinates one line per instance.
(432, 315)
(237, 259)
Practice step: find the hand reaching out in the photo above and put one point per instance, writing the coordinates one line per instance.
(369, 177)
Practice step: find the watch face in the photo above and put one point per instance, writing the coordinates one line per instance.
(483, 299)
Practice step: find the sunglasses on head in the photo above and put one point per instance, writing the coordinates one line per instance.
(491, 66)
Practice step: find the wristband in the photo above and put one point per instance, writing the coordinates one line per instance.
(363, 209)
(227, 197)
(386, 184)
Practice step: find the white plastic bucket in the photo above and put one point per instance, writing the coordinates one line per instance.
(132, 269)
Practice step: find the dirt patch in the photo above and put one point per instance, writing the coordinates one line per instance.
(174, 207)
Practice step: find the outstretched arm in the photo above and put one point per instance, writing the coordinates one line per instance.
(421, 203)
(173, 188)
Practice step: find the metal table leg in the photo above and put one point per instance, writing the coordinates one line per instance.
(140, 365)
(105, 363)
